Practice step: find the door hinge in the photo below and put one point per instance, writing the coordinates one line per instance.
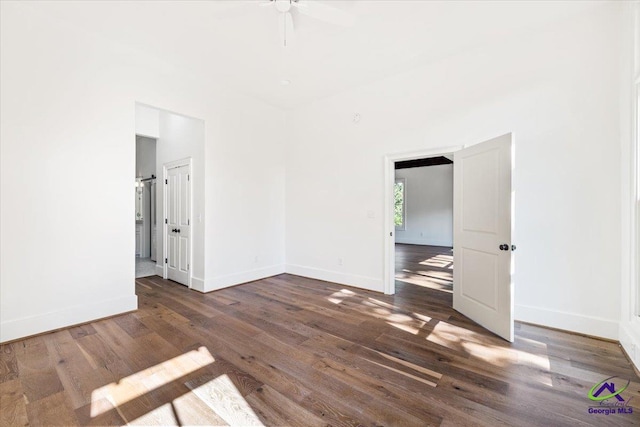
(166, 181)
(188, 177)
(166, 221)
(187, 267)
(166, 260)
(188, 222)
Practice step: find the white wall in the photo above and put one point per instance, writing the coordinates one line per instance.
(428, 204)
(630, 211)
(68, 121)
(556, 90)
(147, 121)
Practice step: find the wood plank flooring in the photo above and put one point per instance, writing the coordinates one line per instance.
(422, 265)
(294, 351)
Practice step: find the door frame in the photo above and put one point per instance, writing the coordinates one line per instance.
(188, 161)
(389, 225)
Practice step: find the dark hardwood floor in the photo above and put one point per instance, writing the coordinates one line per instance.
(422, 265)
(294, 351)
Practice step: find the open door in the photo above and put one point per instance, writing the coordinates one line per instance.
(482, 288)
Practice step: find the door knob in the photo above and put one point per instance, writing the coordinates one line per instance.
(504, 247)
(178, 230)
(513, 247)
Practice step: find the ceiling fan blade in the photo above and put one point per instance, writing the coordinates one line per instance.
(285, 22)
(323, 12)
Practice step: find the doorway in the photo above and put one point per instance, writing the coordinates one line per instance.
(179, 141)
(423, 219)
(482, 211)
(145, 207)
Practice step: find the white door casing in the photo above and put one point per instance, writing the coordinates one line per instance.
(177, 235)
(390, 230)
(482, 286)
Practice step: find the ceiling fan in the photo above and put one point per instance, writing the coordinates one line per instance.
(311, 8)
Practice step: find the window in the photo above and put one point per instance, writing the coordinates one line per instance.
(399, 203)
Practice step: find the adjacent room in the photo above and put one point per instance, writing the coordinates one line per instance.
(145, 215)
(423, 219)
(327, 200)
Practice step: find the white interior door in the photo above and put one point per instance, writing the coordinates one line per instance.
(482, 288)
(178, 223)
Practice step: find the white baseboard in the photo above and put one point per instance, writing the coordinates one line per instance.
(197, 284)
(630, 340)
(32, 325)
(588, 325)
(221, 282)
(159, 270)
(369, 283)
(425, 242)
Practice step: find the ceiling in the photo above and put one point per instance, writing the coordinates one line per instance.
(236, 43)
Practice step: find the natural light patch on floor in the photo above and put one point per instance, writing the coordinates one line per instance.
(475, 345)
(406, 322)
(338, 297)
(222, 396)
(422, 317)
(505, 357)
(384, 309)
(440, 261)
(442, 335)
(416, 372)
(381, 303)
(141, 383)
(407, 328)
(163, 415)
(436, 284)
(455, 337)
(430, 274)
(497, 356)
(451, 332)
(536, 361)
